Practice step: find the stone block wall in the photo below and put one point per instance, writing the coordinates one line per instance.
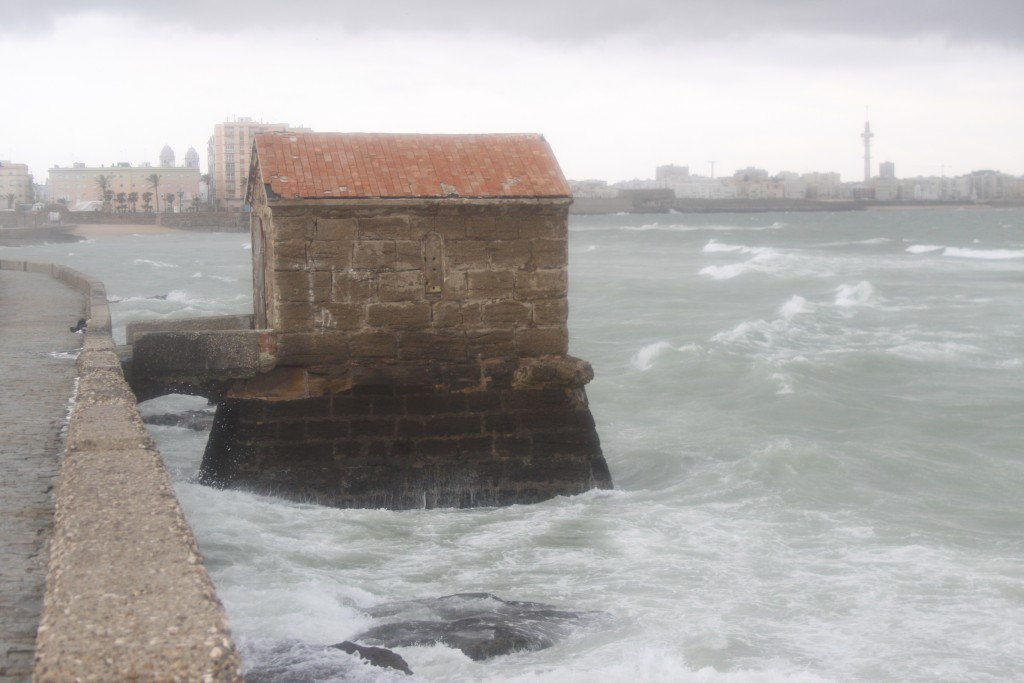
(407, 446)
(451, 281)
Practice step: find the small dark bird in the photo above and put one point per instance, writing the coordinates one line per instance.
(80, 327)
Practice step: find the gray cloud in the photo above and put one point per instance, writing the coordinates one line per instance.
(961, 21)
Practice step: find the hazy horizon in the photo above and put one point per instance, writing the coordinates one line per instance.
(616, 89)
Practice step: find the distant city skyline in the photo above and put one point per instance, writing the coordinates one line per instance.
(710, 168)
(616, 91)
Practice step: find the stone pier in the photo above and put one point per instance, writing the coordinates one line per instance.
(126, 595)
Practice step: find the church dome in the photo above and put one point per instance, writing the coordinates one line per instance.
(167, 156)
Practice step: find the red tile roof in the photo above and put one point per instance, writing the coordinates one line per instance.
(367, 165)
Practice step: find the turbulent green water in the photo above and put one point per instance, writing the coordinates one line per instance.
(815, 423)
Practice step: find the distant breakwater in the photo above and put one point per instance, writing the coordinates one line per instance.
(208, 221)
(639, 203)
(20, 237)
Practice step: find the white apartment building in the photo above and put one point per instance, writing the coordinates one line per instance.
(229, 151)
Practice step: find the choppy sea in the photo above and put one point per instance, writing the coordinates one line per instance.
(815, 423)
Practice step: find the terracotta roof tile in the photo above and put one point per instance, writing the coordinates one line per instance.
(362, 165)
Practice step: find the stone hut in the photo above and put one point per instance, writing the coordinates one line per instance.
(416, 286)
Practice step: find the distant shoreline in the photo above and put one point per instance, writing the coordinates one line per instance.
(616, 205)
(106, 229)
(23, 237)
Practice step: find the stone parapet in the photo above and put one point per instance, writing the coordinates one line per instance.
(138, 328)
(199, 356)
(127, 596)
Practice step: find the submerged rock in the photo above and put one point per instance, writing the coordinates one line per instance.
(481, 625)
(293, 661)
(377, 656)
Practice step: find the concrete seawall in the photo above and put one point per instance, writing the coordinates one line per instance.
(127, 596)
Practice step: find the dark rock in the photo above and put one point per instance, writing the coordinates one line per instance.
(293, 661)
(197, 420)
(377, 656)
(481, 625)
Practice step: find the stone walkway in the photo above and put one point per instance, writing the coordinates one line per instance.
(37, 373)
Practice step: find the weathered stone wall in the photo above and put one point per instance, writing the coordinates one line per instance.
(450, 281)
(127, 596)
(409, 446)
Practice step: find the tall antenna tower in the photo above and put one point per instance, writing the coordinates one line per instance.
(867, 135)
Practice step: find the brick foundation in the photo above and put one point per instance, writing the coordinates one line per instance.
(410, 447)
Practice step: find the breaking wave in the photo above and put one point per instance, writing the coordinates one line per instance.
(962, 252)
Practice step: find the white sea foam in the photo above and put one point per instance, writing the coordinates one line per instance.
(853, 243)
(860, 294)
(785, 383)
(715, 247)
(985, 254)
(749, 330)
(679, 227)
(645, 357)
(180, 296)
(962, 252)
(725, 272)
(155, 264)
(932, 351)
(764, 260)
(795, 305)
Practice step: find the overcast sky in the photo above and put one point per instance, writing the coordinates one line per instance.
(616, 87)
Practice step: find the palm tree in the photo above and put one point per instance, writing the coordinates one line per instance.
(122, 202)
(147, 201)
(133, 199)
(170, 202)
(103, 185)
(154, 182)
